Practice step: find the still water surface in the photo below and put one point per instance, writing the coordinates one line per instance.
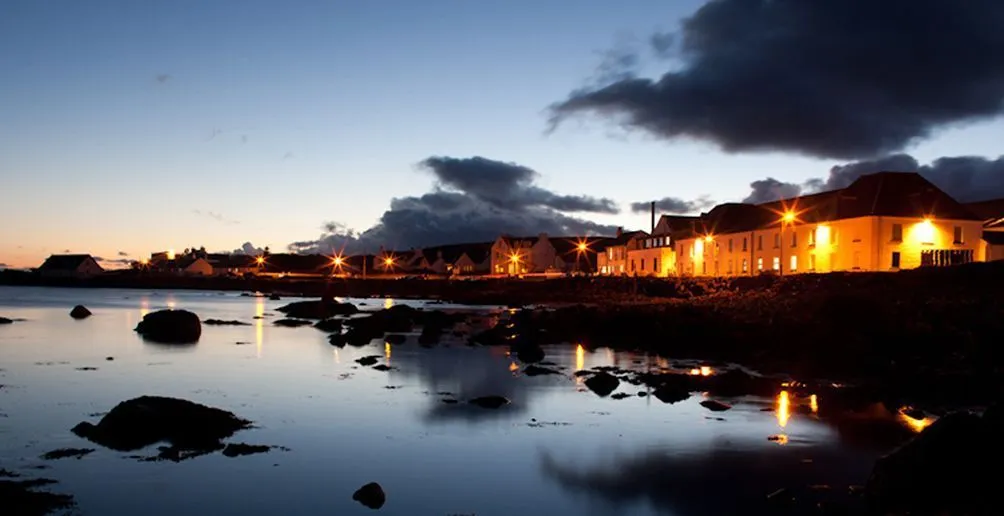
(557, 449)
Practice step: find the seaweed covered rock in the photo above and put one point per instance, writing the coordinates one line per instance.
(140, 422)
(320, 309)
(170, 327)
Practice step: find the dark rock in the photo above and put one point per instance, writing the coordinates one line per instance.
(489, 402)
(715, 405)
(430, 336)
(620, 395)
(736, 382)
(668, 393)
(109, 359)
(4, 320)
(220, 322)
(87, 368)
(146, 420)
(642, 394)
(584, 372)
(80, 312)
(64, 453)
(291, 323)
(19, 497)
(274, 297)
(241, 449)
(329, 325)
(321, 309)
(395, 338)
(383, 367)
(371, 495)
(944, 468)
(534, 370)
(530, 353)
(450, 401)
(170, 327)
(368, 360)
(337, 340)
(602, 383)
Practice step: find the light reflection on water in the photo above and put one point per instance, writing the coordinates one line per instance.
(345, 429)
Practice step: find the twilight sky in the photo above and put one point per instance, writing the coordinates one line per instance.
(129, 127)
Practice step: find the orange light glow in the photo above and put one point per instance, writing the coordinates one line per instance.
(170, 254)
(788, 217)
(337, 261)
(580, 357)
(388, 261)
(386, 350)
(814, 404)
(709, 238)
(917, 425)
(144, 261)
(514, 257)
(260, 260)
(513, 367)
(783, 408)
(924, 232)
(780, 439)
(701, 371)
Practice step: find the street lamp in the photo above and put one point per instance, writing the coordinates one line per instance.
(581, 248)
(514, 262)
(388, 263)
(787, 217)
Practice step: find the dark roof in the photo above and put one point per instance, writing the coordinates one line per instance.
(678, 222)
(297, 263)
(64, 262)
(987, 210)
(993, 237)
(619, 241)
(884, 194)
(231, 261)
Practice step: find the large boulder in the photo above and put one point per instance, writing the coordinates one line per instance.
(4, 320)
(947, 467)
(80, 312)
(146, 420)
(602, 383)
(321, 309)
(170, 327)
(371, 495)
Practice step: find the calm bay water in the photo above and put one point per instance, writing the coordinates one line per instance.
(557, 449)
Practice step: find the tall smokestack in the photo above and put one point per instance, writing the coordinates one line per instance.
(653, 218)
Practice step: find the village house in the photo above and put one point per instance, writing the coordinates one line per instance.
(881, 222)
(543, 254)
(70, 266)
(232, 264)
(992, 213)
(612, 259)
(654, 254)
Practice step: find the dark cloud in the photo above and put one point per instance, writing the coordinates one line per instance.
(216, 216)
(475, 199)
(67, 251)
(674, 205)
(249, 249)
(663, 44)
(966, 178)
(123, 253)
(828, 78)
(116, 261)
(4, 266)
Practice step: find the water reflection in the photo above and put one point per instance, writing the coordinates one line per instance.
(914, 424)
(388, 302)
(783, 409)
(144, 306)
(386, 351)
(580, 357)
(259, 325)
(814, 404)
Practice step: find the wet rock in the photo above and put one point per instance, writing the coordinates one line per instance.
(395, 338)
(602, 383)
(670, 394)
(291, 323)
(274, 297)
(715, 405)
(65, 453)
(642, 394)
(329, 325)
(320, 309)
(109, 359)
(450, 401)
(530, 353)
(241, 449)
(80, 312)
(4, 320)
(534, 370)
(220, 322)
(368, 360)
(620, 395)
(19, 497)
(430, 336)
(490, 402)
(87, 368)
(338, 340)
(170, 327)
(383, 367)
(944, 468)
(371, 495)
(146, 420)
(736, 382)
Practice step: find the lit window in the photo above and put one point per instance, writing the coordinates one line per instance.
(812, 261)
(958, 235)
(897, 232)
(777, 263)
(746, 265)
(759, 264)
(812, 238)
(794, 263)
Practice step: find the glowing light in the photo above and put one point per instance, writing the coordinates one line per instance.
(701, 371)
(337, 261)
(924, 232)
(705, 371)
(386, 350)
(783, 408)
(580, 357)
(513, 367)
(170, 254)
(514, 257)
(388, 261)
(822, 235)
(171, 302)
(917, 425)
(582, 247)
(260, 260)
(144, 261)
(814, 404)
(788, 217)
(388, 302)
(781, 439)
(699, 249)
(259, 324)
(709, 238)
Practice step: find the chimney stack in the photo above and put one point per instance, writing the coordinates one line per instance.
(620, 231)
(653, 218)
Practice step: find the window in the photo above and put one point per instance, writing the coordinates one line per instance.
(794, 238)
(632, 265)
(648, 243)
(643, 264)
(759, 264)
(730, 266)
(744, 244)
(730, 245)
(895, 259)
(794, 263)
(777, 263)
(958, 235)
(777, 240)
(897, 232)
(655, 265)
(759, 243)
(812, 261)
(812, 237)
(746, 265)
(704, 267)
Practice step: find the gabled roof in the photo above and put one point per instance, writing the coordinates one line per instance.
(231, 261)
(677, 222)
(625, 237)
(297, 263)
(884, 194)
(64, 262)
(987, 210)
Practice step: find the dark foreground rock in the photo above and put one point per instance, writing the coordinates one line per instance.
(242, 449)
(395, 338)
(371, 495)
(80, 312)
(65, 453)
(602, 383)
(170, 327)
(220, 322)
(950, 467)
(292, 323)
(535, 370)
(4, 320)
(140, 422)
(715, 405)
(20, 497)
(320, 309)
(368, 360)
(490, 402)
(329, 325)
